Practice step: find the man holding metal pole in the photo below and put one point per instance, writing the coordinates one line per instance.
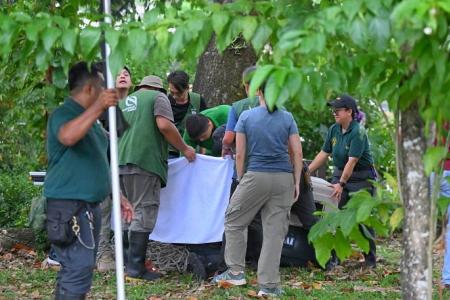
(78, 179)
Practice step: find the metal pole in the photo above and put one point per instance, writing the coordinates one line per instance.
(118, 246)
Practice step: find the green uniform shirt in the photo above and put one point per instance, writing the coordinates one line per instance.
(353, 143)
(79, 172)
(218, 116)
(143, 144)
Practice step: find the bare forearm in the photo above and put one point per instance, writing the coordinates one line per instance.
(240, 161)
(318, 161)
(348, 169)
(170, 133)
(296, 153)
(73, 131)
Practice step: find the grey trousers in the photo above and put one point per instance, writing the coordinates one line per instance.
(104, 243)
(77, 261)
(273, 194)
(143, 193)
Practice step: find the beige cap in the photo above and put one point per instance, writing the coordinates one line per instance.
(151, 81)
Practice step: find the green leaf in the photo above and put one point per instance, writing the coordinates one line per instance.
(293, 83)
(261, 36)
(42, 59)
(137, 44)
(32, 32)
(249, 25)
(342, 246)
(271, 92)
(359, 239)
(151, 16)
(112, 37)
(445, 5)
(69, 40)
(117, 58)
(347, 219)
(313, 43)
(176, 43)
(219, 21)
(89, 39)
(322, 247)
(380, 31)
(351, 7)
(358, 32)
(364, 210)
(396, 218)
(59, 78)
(21, 17)
(432, 158)
(306, 96)
(259, 77)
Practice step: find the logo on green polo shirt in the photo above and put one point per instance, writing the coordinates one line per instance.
(130, 104)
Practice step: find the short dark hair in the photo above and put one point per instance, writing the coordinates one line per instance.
(128, 70)
(248, 73)
(81, 73)
(196, 125)
(179, 79)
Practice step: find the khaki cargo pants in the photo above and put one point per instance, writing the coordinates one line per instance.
(273, 194)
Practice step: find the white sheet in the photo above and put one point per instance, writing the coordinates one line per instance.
(193, 204)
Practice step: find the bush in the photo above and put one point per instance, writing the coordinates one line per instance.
(16, 193)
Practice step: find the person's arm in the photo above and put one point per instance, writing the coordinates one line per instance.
(320, 159)
(73, 131)
(346, 174)
(126, 209)
(230, 135)
(241, 148)
(296, 153)
(173, 137)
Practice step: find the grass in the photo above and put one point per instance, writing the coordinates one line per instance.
(21, 277)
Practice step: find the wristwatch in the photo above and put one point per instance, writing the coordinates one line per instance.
(342, 184)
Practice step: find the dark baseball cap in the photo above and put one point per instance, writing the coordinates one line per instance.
(344, 101)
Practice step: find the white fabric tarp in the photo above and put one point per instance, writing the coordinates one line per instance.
(193, 204)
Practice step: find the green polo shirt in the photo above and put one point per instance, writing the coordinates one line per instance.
(218, 116)
(353, 143)
(79, 172)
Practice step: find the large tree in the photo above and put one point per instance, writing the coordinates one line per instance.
(308, 51)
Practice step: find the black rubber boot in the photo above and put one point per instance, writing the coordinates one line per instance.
(61, 294)
(333, 262)
(126, 246)
(136, 257)
(370, 259)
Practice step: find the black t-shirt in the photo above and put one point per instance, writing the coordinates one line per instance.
(180, 110)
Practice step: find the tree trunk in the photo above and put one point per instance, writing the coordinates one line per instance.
(219, 76)
(417, 234)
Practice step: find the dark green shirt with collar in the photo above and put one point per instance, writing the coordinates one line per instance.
(353, 143)
(79, 172)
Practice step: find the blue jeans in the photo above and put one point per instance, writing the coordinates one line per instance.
(445, 191)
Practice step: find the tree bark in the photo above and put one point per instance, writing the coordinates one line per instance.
(417, 234)
(219, 76)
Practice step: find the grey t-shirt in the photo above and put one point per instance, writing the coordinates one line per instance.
(267, 136)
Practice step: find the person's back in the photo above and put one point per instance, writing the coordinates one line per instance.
(267, 143)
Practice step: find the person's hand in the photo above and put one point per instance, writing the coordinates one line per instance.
(127, 209)
(296, 192)
(337, 191)
(227, 151)
(108, 98)
(189, 153)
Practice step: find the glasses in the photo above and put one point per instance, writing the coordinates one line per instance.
(336, 111)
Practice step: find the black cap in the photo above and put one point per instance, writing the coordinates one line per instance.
(344, 101)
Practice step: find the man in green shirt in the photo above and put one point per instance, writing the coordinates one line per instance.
(200, 128)
(143, 153)
(78, 178)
